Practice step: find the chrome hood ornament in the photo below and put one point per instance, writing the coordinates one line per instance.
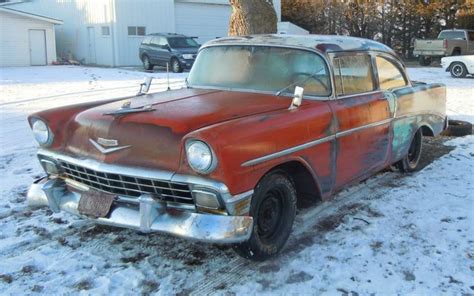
(106, 146)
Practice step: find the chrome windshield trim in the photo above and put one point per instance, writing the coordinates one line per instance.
(317, 52)
(287, 151)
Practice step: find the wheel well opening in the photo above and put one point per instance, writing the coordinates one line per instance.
(307, 191)
(427, 131)
(456, 50)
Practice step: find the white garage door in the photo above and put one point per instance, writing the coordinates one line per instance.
(206, 21)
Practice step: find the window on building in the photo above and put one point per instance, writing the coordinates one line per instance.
(136, 31)
(353, 74)
(389, 75)
(105, 31)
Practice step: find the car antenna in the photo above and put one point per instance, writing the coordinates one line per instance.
(168, 74)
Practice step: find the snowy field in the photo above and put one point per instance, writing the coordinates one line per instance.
(392, 234)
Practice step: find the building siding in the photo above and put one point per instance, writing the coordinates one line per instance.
(15, 42)
(205, 19)
(156, 16)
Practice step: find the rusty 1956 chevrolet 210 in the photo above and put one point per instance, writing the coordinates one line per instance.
(264, 123)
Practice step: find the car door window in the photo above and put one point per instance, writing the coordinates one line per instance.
(353, 74)
(162, 42)
(154, 41)
(389, 75)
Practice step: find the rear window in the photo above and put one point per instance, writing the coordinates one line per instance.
(353, 74)
(451, 35)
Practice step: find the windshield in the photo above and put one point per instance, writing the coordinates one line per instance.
(451, 35)
(182, 42)
(261, 68)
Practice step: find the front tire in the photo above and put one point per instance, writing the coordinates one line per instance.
(458, 70)
(411, 161)
(147, 65)
(273, 209)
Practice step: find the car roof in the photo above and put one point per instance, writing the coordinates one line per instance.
(167, 35)
(323, 43)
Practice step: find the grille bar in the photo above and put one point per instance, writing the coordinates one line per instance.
(128, 185)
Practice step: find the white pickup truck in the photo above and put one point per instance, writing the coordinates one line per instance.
(449, 43)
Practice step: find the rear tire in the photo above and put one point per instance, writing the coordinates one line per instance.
(409, 163)
(273, 209)
(424, 61)
(147, 65)
(458, 70)
(176, 66)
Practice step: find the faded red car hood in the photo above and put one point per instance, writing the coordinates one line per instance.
(155, 137)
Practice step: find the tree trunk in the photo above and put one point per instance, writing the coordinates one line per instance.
(252, 17)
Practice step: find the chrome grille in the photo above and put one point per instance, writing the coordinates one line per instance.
(127, 185)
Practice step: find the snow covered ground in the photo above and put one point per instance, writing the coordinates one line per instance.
(392, 234)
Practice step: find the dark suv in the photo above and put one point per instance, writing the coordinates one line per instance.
(177, 50)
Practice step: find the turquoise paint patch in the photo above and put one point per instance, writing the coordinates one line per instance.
(403, 130)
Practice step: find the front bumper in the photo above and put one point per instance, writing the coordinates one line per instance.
(186, 63)
(147, 216)
(148, 212)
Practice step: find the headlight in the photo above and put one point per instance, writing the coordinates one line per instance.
(42, 132)
(200, 157)
(187, 56)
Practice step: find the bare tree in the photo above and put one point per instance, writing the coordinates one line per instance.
(252, 17)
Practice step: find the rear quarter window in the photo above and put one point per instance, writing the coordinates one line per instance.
(389, 75)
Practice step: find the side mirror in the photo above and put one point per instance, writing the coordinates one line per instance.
(297, 98)
(145, 86)
(167, 47)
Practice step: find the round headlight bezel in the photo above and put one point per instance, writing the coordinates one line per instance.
(210, 167)
(39, 126)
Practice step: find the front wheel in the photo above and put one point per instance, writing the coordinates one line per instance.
(410, 162)
(147, 65)
(273, 209)
(458, 70)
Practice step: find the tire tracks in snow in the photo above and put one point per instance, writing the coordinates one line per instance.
(239, 270)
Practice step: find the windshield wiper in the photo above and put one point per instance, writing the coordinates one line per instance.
(303, 81)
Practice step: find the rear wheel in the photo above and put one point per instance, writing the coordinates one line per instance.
(273, 210)
(458, 70)
(147, 65)
(410, 162)
(424, 61)
(176, 66)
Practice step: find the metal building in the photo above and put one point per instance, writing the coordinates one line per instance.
(108, 32)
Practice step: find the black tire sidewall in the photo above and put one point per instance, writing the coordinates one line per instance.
(463, 67)
(149, 66)
(459, 128)
(405, 165)
(255, 248)
(177, 69)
